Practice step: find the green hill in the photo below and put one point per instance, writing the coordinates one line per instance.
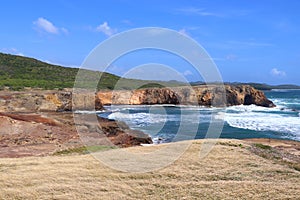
(17, 72)
(263, 86)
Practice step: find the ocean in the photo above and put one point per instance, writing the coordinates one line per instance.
(167, 123)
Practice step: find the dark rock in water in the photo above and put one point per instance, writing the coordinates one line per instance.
(121, 135)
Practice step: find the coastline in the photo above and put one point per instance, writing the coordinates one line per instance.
(46, 120)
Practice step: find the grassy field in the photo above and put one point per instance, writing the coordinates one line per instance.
(230, 171)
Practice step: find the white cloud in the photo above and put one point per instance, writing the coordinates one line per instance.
(183, 32)
(251, 43)
(156, 32)
(60, 64)
(13, 51)
(106, 29)
(276, 72)
(44, 25)
(187, 73)
(198, 11)
(116, 70)
(127, 22)
(231, 57)
(65, 31)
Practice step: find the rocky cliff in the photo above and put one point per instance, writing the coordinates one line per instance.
(56, 101)
(46, 101)
(198, 95)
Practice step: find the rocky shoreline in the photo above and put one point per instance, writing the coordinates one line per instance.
(37, 123)
(40, 134)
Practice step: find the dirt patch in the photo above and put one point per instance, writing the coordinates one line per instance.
(280, 151)
(43, 134)
(292, 147)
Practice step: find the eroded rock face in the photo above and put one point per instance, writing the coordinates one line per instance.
(198, 95)
(53, 101)
(246, 95)
(46, 101)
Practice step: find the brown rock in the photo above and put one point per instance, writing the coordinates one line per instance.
(37, 135)
(212, 95)
(47, 101)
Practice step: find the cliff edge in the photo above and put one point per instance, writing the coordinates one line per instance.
(198, 95)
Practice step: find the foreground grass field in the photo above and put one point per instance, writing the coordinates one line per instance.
(231, 171)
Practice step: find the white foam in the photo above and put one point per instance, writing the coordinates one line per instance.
(88, 112)
(144, 119)
(140, 119)
(257, 121)
(284, 90)
(252, 108)
(279, 119)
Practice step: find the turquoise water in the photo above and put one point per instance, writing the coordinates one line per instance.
(167, 123)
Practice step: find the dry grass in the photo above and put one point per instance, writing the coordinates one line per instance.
(230, 171)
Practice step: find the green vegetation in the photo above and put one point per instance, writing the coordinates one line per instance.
(230, 144)
(84, 150)
(152, 85)
(262, 146)
(277, 155)
(18, 72)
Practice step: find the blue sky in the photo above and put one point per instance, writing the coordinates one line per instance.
(250, 41)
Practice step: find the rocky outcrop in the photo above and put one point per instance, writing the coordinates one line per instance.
(137, 97)
(212, 95)
(43, 134)
(57, 101)
(35, 123)
(246, 95)
(46, 101)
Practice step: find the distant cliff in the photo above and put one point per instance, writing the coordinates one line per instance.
(197, 95)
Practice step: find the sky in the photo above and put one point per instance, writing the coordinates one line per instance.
(249, 41)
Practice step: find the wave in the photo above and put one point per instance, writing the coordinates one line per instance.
(142, 107)
(257, 109)
(161, 120)
(263, 119)
(141, 119)
(286, 101)
(89, 112)
(284, 90)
